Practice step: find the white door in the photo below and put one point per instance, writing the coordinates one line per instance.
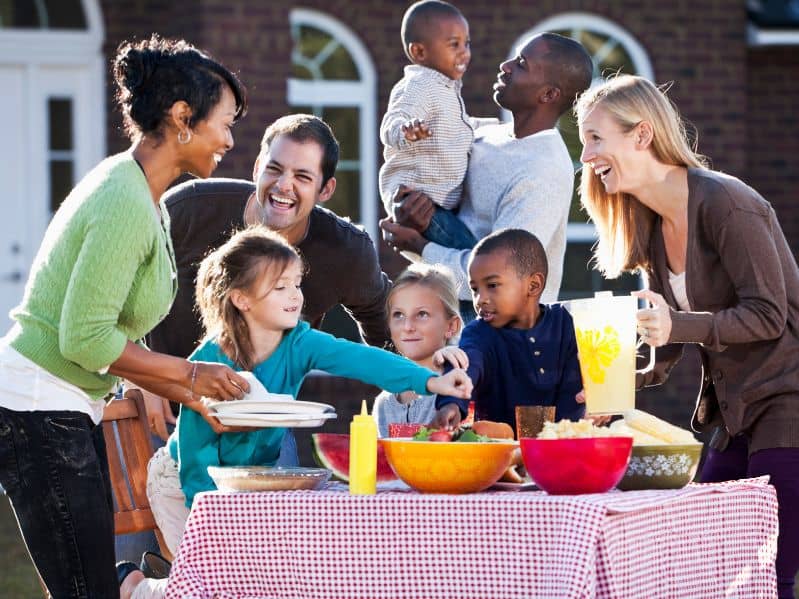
(15, 175)
(50, 141)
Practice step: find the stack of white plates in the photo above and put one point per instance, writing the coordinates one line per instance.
(262, 409)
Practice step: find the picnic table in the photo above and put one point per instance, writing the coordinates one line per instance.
(706, 540)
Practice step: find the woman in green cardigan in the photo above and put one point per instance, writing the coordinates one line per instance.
(103, 277)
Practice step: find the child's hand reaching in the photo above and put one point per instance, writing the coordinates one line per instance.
(452, 354)
(455, 383)
(448, 417)
(415, 129)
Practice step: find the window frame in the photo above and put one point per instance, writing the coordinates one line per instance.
(361, 94)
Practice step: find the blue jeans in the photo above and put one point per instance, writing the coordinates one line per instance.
(447, 229)
(54, 468)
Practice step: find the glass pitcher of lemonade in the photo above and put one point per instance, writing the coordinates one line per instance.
(605, 327)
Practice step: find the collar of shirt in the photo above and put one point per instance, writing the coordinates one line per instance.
(415, 70)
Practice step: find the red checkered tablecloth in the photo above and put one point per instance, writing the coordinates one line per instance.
(716, 540)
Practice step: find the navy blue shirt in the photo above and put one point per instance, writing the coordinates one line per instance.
(522, 367)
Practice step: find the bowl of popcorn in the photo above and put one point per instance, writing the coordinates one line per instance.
(572, 458)
(664, 456)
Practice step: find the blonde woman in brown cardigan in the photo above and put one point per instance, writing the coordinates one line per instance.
(721, 276)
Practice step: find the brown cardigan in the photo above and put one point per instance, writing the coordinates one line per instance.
(742, 284)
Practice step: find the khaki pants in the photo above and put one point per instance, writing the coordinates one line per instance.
(166, 498)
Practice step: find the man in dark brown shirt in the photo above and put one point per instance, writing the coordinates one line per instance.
(293, 175)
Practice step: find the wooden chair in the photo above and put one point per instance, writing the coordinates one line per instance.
(132, 508)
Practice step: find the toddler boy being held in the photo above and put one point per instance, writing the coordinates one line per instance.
(426, 133)
(520, 352)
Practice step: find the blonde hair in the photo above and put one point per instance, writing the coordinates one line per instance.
(240, 263)
(433, 276)
(625, 224)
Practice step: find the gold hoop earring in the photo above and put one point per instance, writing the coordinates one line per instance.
(184, 137)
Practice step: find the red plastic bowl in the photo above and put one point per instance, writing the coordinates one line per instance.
(574, 466)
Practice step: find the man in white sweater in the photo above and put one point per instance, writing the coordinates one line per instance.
(520, 174)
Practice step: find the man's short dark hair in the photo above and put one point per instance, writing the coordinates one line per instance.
(525, 252)
(570, 67)
(418, 17)
(303, 128)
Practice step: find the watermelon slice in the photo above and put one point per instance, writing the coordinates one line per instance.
(332, 451)
(403, 429)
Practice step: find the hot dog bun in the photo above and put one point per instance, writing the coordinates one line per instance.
(493, 430)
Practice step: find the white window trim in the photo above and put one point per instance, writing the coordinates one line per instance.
(771, 37)
(360, 94)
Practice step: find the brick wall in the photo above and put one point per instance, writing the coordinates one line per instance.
(772, 138)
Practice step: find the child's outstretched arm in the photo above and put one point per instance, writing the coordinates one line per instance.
(456, 383)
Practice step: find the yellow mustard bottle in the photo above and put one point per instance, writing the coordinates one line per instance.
(363, 453)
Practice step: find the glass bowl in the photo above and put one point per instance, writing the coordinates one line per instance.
(264, 478)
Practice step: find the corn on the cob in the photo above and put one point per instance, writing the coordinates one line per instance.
(620, 427)
(656, 427)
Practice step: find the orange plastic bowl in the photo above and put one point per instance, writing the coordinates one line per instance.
(575, 466)
(453, 467)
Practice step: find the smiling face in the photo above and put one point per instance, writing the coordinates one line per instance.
(611, 154)
(288, 179)
(418, 322)
(211, 138)
(521, 79)
(447, 47)
(274, 304)
(501, 297)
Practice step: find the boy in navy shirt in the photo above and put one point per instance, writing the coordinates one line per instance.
(520, 352)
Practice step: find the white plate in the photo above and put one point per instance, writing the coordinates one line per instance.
(261, 406)
(275, 420)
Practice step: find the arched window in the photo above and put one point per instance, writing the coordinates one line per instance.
(42, 14)
(334, 78)
(612, 49)
(52, 115)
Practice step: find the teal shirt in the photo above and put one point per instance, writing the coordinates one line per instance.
(104, 275)
(195, 446)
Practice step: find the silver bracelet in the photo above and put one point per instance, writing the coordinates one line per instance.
(193, 379)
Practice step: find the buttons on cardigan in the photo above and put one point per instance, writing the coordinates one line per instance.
(536, 353)
(532, 339)
(541, 370)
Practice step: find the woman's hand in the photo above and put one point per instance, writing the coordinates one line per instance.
(654, 324)
(452, 354)
(456, 383)
(216, 381)
(447, 418)
(201, 407)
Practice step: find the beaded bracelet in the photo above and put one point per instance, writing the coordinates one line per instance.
(193, 379)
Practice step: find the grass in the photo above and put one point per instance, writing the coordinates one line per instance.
(17, 575)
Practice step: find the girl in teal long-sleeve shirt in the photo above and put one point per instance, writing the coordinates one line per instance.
(249, 296)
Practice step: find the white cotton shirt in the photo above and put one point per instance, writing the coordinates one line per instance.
(27, 387)
(522, 183)
(677, 283)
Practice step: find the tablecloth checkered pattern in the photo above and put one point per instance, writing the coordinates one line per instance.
(703, 541)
